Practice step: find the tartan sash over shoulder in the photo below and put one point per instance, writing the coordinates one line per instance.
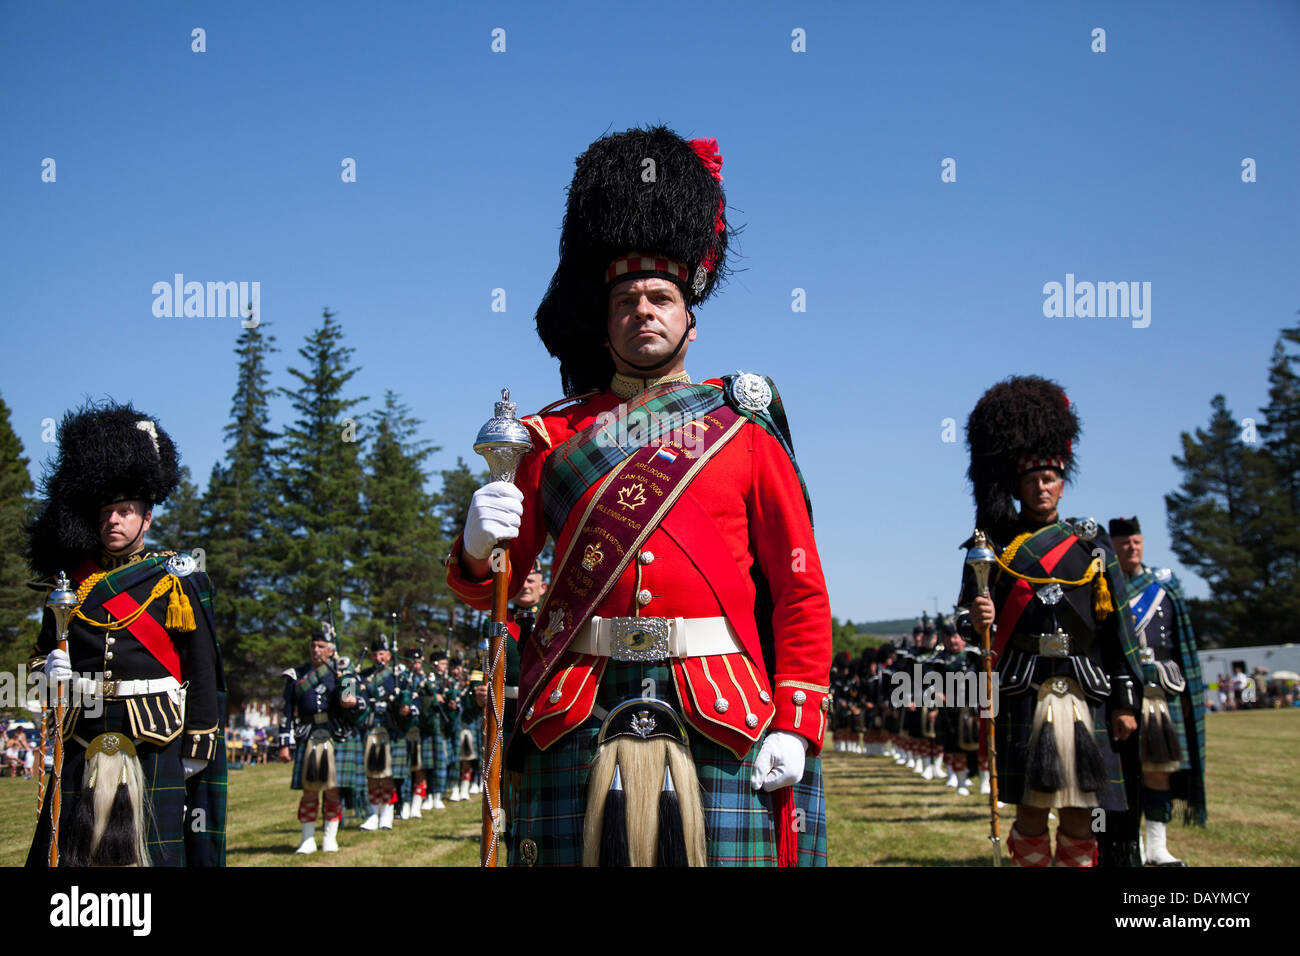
(1034, 557)
(1188, 785)
(648, 419)
(585, 458)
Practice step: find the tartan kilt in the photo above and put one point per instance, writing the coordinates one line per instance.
(401, 762)
(440, 765)
(1012, 728)
(1175, 702)
(738, 820)
(426, 752)
(348, 769)
(164, 791)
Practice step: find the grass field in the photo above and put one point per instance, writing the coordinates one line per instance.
(880, 814)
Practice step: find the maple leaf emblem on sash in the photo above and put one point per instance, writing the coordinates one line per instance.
(632, 497)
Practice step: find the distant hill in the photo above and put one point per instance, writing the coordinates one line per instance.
(901, 626)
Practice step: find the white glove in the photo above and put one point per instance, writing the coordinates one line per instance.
(192, 766)
(779, 762)
(495, 513)
(57, 666)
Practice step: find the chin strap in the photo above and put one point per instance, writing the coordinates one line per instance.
(660, 364)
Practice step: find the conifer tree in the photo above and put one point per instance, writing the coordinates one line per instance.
(239, 509)
(400, 569)
(18, 603)
(317, 532)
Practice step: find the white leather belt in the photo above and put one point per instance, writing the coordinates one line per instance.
(124, 688)
(656, 638)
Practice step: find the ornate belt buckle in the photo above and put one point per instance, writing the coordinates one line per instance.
(109, 687)
(1147, 655)
(1054, 645)
(639, 639)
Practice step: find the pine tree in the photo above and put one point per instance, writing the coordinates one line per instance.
(238, 511)
(318, 472)
(1217, 521)
(1280, 486)
(458, 486)
(18, 603)
(178, 523)
(400, 569)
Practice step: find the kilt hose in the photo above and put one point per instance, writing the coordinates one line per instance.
(1013, 726)
(164, 795)
(347, 764)
(552, 796)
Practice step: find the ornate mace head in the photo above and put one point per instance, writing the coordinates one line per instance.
(62, 601)
(980, 559)
(503, 440)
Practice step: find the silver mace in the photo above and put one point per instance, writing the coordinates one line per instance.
(61, 602)
(980, 559)
(502, 441)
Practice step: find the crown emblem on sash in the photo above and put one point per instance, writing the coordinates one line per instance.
(632, 497)
(592, 556)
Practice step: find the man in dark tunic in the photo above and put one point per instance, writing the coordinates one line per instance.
(1068, 672)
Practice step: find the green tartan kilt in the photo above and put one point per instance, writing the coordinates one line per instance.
(164, 781)
(348, 770)
(1013, 726)
(738, 819)
(440, 766)
(401, 761)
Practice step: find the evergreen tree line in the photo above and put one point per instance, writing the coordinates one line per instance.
(332, 505)
(335, 505)
(1235, 518)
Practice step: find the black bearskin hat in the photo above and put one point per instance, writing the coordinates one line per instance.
(1023, 423)
(1123, 527)
(107, 453)
(618, 204)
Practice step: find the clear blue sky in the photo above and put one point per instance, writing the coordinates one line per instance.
(1115, 166)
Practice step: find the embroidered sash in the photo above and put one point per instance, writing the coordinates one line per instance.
(629, 504)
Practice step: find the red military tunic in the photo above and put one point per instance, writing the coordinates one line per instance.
(752, 494)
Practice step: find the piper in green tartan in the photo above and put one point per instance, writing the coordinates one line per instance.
(144, 774)
(390, 708)
(323, 700)
(435, 740)
(1173, 694)
(418, 756)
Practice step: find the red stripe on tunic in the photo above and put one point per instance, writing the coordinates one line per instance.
(1022, 592)
(147, 631)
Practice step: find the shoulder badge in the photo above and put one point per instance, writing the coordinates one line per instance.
(1162, 574)
(751, 392)
(1085, 528)
(182, 565)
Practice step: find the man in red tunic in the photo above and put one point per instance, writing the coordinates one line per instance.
(687, 629)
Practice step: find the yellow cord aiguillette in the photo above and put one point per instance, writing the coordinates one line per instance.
(1102, 604)
(180, 615)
